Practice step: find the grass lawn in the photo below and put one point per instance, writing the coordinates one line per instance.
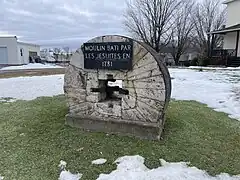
(34, 139)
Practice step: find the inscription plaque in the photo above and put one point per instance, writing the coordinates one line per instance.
(111, 55)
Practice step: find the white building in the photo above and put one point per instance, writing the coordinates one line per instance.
(231, 30)
(13, 52)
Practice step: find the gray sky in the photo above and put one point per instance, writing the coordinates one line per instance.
(61, 22)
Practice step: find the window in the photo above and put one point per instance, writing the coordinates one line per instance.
(21, 52)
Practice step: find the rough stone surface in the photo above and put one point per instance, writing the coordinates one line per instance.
(149, 87)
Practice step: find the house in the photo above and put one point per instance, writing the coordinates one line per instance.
(13, 52)
(231, 49)
(186, 57)
(167, 56)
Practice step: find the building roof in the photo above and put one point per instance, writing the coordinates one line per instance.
(233, 28)
(169, 49)
(228, 1)
(3, 36)
(28, 44)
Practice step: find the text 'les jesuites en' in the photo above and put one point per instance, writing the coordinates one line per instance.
(103, 56)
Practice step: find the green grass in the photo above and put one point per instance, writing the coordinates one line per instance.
(34, 139)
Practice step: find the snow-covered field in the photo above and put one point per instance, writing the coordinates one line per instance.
(29, 88)
(218, 89)
(133, 168)
(214, 68)
(31, 66)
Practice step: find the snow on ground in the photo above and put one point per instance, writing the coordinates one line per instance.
(29, 88)
(219, 89)
(32, 66)
(215, 68)
(99, 161)
(133, 168)
(67, 175)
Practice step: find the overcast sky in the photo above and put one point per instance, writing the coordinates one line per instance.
(61, 22)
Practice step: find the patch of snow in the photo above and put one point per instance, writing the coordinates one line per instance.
(29, 88)
(32, 66)
(62, 165)
(99, 161)
(214, 68)
(218, 89)
(133, 168)
(67, 175)
(22, 134)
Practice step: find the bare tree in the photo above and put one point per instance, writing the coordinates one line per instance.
(66, 49)
(181, 30)
(56, 52)
(151, 20)
(209, 16)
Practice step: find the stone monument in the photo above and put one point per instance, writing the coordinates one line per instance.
(136, 106)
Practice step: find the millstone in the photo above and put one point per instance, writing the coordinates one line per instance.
(135, 108)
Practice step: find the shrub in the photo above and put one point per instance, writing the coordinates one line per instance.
(204, 61)
(194, 62)
(187, 63)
